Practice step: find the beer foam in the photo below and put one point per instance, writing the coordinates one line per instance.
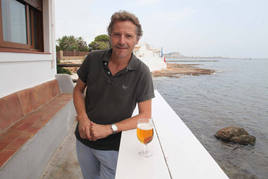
(145, 126)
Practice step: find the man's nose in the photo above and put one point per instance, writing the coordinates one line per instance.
(122, 39)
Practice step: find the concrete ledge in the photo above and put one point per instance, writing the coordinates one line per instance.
(32, 157)
(185, 156)
(65, 83)
(177, 153)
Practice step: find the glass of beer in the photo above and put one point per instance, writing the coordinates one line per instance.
(145, 133)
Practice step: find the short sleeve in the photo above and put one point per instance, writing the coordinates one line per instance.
(145, 89)
(82, 72)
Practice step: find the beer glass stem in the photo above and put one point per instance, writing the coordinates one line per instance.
(145, 151)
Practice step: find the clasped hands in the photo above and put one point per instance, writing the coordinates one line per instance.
(92, 131)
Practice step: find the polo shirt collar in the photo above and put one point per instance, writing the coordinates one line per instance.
(132, 65)
(107, 56)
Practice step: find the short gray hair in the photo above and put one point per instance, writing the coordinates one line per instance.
(125, 16)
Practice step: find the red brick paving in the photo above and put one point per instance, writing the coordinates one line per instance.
(5, 155)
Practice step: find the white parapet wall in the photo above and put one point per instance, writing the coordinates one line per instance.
(177, 153)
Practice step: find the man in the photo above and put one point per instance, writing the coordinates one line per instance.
(115, 81)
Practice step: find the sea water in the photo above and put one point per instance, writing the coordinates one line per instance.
(236, 95)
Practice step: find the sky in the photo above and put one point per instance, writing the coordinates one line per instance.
(227, 28)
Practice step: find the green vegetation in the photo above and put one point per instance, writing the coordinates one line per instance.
(101, 42)
(102, 37)
(71, 43)
(63, 70)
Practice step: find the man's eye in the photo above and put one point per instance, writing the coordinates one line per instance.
(129, 36)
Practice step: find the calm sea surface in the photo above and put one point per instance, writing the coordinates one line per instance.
(236, 95)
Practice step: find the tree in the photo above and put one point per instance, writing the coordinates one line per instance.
(82, 45)
(57, 48)
(71, 43)
(102, 37)
(101, 42)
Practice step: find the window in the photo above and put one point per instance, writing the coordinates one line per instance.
(21, 25)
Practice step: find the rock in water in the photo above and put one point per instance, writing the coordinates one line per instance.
(236, 135)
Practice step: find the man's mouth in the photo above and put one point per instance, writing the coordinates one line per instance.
(121, 48)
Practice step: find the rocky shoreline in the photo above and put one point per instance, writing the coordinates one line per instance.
(176, 70)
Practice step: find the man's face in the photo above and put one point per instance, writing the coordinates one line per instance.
(123, 38)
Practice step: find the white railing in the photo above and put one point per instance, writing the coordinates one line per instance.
(177, 153)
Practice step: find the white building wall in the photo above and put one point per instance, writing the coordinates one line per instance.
(23, 70)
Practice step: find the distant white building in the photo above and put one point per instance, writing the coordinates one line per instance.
(151, 57)
(27, 44)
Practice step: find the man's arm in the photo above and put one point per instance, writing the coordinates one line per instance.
(145, 111)
(101, 131)
(79, 103)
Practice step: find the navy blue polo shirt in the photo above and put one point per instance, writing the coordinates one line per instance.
(112, 98)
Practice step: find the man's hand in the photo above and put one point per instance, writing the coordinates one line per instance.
(99, 131)
(84, 128)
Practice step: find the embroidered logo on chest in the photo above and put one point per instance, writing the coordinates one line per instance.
(124, 87)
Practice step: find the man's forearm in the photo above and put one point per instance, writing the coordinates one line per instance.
(100, 131)
(131, 123)
(79, 103)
